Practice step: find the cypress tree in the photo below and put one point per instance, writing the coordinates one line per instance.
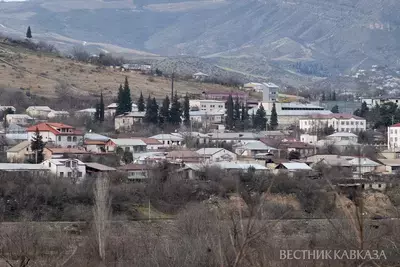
(29, 33)
(127, 96)
(147, 115)
(274, 118)
(97, 113)
(164, 111)
(260, 119)
(364, 109)
(186, 111)
(236, 112)
(335, 109)
(37, 146)
(140, 103)
(120, 101)
(101, 108)
(176, 111)
(6, 112)
(244, 117)
(229, 113)
(154, 111)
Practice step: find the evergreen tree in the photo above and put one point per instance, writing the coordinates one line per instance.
(176, 111)
(260, 119)
(120, 101)
(323, 98)
(140, 103)
(229, 113)
(154, 112)
(29, 33)
(127, 97)
(37, 146)
(244, 118)
(253, 120)
(101, 108)
(164, 116)
(274, 118)
(97, 113)
(335, 109)
(6, 112)
(236, 111)
(186, 111)
(334, 96)
(147, 115)
(364, 110)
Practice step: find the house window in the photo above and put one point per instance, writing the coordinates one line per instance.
(70, 174)
(49, 164)
(361, 123)
(74, 139)
(126, 149)
(379, 185)
(61, 174)
(59, 138)
(73, 163)
(347, 123)
(352, 123)
(79, 174)
(69, 138)
(395, 131)
(342, 122)
(67, 164)
(356, 122)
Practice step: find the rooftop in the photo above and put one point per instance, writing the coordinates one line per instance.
(209, 150)
(42, 108)
(167, 137)
(99, 167)
(128, 142)
(19, 146)
(295, 166)
(54, 128)
(148, 141)
(62, 150)
(395, 125)
(335, 116)
(256, 145)
(342, 134)
(134, 167)
(21, 167)
(135, 114)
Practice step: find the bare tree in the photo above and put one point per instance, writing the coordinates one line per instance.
(101, 213)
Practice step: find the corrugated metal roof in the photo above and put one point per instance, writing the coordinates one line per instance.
(21, 167)
(98, 166)
(296, 166)
(19, 147)
(128, 142)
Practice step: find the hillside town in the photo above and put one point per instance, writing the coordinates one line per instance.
(229, 130)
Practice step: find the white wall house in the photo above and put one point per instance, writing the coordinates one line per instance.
(112, 108)
(207, 105)
(68, 168)
(217, 154)
(168, 140)
(127, 121)
(372, 102)
(58, 114)
(38, 111)
(393, 138)
(308, 138)
(214, 117)
(340, 122)
(57, 134)
(126, 144)
(19, 119)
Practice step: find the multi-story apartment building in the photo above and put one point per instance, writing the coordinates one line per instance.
(57, 134)
(340, 122)
(207, 105)
(393, 140)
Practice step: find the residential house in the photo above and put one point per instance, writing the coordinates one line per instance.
(339, 122)
(38, 111)
(126, 144)
(393, 136)
(19, 152)
(94, 168)
(125, 122)
(223, 96)
(57, 134)
(37, 169)
(342, 136)
(113, 108)
(200, 76)
(70, 168)
(4, 108)
(237, 137)
(95, 143)
(58, 114)
(207, 105)
(197, 137)
(379, 100)
(334, 163)
(391, 166)
(250, 149)
(194, 170)
(16, 132)
(151, 143)
(169, 140)
(179, 156)
(292, 167)
(87, 112)
(308, 138)
(362, 165)
(207, 118)
(304, 149)
(136, 171)
(19, 119)
(62, 152)
(213, 154)
(390, 153)
(6, 143)
(149, 157)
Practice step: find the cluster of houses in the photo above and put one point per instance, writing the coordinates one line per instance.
(67, 148)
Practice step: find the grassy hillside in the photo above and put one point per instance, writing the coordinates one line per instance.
(42, 73)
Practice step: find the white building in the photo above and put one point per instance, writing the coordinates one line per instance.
(58, 114)
(270, 92)
(379, 100)
(393, 136)
(204, 117)
(38, 111)
(309, 139)
(70, 168)
(112, 108)
(200, 76)
(19, 119)
(57, 134)
(168, 140)
(126, 144)
(343, 136)
(207, 105)
(213, 154)
(4, 108)
(128, 120)
(340, 122)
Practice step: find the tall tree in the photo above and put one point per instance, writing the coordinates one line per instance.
(244, 118)
(176, 111)
(364, 109)
(186, 111)
(236, 110)
(120, 101)
(127, 96)
(5, 113)
(147, 115)
(323, 97)
(29, 33)
(140, 103)
(334, 96)
(335, 109)
(164, 116)
(154, 111)
(101, 108)
(260, 119)
(37, 147)
(274, 118)
(229, 113)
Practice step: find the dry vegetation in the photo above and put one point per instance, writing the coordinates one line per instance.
(42, 73)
